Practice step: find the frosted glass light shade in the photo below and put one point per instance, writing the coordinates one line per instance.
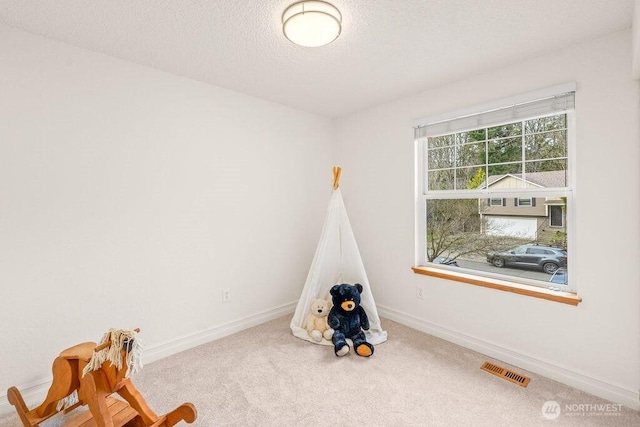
(311, 23)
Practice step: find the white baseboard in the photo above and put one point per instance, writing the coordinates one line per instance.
(35, 392)
(597, 387)
(169, 348)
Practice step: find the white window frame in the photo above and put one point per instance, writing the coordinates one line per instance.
(569, 192)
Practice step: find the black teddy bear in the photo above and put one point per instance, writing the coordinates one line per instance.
(348, 320)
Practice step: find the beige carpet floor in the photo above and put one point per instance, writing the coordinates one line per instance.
(264, 376)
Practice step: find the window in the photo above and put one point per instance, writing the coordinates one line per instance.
(493, 187)
(528, 201)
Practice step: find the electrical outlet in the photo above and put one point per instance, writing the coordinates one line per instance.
(226, 295)
(419, 292)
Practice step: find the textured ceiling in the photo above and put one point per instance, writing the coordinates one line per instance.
(388, 49)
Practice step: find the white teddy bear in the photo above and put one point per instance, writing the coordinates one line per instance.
(316, 323)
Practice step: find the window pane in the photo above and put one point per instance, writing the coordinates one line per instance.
(441, 180)
(495, 157)
(544, 124)
(512, 129)
(476, 135)
(505, 150)
(471, 154)
(497, 172)
(546, 145)
(440, 158)
(441, 141)
(548, 173)
(469, 178)
(473, 234)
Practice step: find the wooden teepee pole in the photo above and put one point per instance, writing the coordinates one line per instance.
(336, 177)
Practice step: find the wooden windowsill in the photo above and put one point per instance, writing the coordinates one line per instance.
(501, 285)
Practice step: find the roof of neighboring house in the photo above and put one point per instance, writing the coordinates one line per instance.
(548, 179)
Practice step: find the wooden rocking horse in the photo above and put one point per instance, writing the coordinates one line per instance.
(87, 374)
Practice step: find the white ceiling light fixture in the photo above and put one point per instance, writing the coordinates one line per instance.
(311, 23)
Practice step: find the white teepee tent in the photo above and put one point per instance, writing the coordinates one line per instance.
(337, 260)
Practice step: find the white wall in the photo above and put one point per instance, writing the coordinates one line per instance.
(636, 40)
(595, 346)
(131, 198)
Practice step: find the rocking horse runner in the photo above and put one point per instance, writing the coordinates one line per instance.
(87, 374)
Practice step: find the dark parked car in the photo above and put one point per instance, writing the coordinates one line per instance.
(547, 258)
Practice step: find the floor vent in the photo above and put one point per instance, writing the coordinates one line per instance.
(521, 380)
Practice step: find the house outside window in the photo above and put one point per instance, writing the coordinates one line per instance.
(494, 189)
